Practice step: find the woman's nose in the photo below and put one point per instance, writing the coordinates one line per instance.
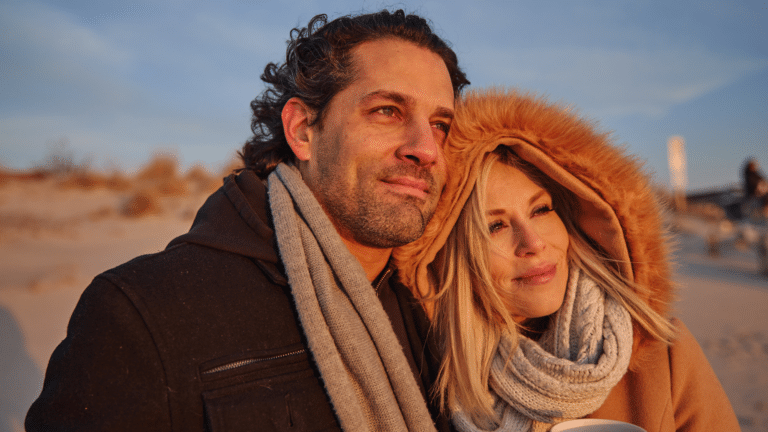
(529, 242)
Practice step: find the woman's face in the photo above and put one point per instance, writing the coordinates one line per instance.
(529, 243)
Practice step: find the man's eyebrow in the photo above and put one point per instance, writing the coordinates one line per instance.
(402, 99)
(396, 97)
(444, 112)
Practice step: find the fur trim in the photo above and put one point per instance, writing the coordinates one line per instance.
(620, 210)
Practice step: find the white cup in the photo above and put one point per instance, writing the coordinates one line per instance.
(595, 425)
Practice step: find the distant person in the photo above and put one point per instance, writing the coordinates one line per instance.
(279, 310)
(756, 208)
(755, 189)
(754, 182)
(547, 268)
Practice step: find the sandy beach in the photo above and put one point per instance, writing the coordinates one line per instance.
(56, 234)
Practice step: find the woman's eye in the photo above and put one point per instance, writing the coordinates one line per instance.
(543, 209)
(495, 226)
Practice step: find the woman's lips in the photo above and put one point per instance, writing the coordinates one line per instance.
(538, 275)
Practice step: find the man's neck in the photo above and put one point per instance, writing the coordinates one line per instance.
(372, 259)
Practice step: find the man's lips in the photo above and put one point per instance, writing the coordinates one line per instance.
(538, 275)
(409, 185)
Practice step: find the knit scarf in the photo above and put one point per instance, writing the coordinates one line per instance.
(568, 372)
(361, 362)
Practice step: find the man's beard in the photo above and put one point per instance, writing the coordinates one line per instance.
(370, 220)
(384, 225)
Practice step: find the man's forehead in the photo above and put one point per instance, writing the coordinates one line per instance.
(397, 69)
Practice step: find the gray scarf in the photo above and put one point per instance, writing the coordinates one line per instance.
(569, 372)
(362, 364)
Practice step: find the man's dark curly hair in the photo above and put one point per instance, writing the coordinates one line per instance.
(318, 65)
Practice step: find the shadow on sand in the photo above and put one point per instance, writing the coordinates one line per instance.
(20, 378)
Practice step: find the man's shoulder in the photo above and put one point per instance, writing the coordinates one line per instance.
(197, 276)
(175, 261)
(194, 290)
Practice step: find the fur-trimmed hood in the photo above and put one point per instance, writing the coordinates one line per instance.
(619, 210)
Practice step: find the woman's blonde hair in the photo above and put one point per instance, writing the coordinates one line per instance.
(470, 315)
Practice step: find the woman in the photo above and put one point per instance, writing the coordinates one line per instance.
(546, 272)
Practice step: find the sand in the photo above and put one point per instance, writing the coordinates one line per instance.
(55, 239)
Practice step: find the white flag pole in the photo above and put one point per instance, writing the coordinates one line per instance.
(678, 171)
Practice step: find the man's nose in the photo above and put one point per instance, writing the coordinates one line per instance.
(529, 242)
(423, 144)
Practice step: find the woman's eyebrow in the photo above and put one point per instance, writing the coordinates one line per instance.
(535, 197)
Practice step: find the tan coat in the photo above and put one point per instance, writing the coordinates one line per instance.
(667, 387)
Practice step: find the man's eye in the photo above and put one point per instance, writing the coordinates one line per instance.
(387, 111)
(445, 127)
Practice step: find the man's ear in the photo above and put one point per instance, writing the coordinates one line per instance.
(296, 116)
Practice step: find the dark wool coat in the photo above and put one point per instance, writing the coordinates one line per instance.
(668, 387)
(201, 336)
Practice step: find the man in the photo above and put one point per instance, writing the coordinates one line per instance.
(264, 315)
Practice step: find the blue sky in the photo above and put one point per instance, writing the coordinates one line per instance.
(119, 81)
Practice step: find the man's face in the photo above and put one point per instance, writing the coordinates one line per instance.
(376, 160)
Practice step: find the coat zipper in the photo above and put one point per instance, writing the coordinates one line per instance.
(381, 280)
(241, 363)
